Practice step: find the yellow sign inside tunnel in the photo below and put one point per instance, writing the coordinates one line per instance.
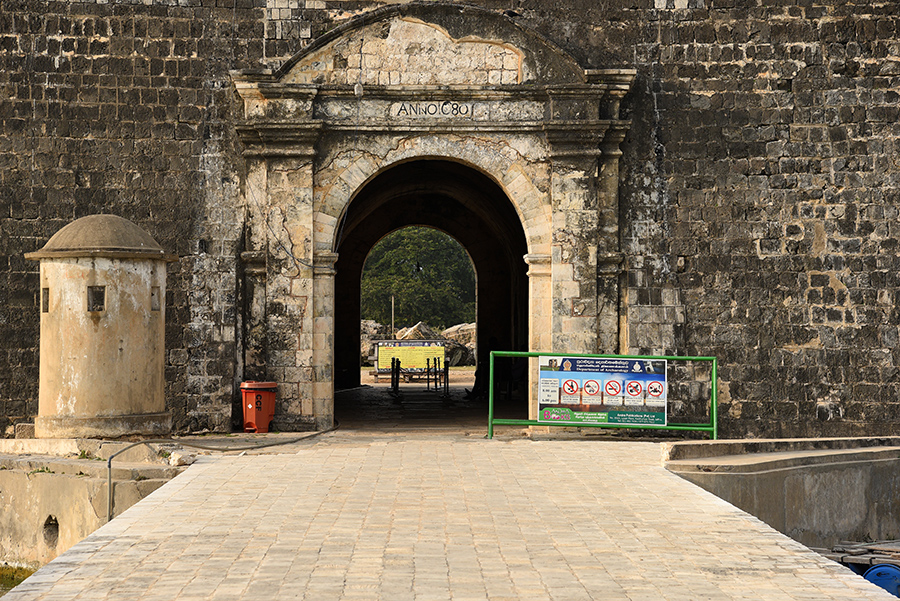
(414, 355)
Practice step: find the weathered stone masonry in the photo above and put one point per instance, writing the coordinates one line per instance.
(124, 108)
(757, 215)
(525, 115)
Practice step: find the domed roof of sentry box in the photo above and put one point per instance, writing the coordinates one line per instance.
(101, 236)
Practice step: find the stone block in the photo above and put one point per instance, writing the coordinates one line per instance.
(24, 430)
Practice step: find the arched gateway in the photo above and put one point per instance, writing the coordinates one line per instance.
(428, 114)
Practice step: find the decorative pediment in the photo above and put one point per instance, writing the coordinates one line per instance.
(432, 67)
(431, 43)
(408, 51)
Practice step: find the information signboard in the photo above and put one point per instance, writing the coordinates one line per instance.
(414, 355)
(594, 390)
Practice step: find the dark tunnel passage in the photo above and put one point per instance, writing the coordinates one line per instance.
(459, 201)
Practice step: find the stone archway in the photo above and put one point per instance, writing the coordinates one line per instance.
(461, 202)
(424, 85)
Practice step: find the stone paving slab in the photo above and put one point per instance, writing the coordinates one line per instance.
(440, 517)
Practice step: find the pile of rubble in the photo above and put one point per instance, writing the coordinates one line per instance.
(459, 340)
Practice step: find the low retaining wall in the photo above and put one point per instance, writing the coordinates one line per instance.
(817, 491)
(54, 493)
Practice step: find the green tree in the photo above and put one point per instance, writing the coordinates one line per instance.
(429, 274)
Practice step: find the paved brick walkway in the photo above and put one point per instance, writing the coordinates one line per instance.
(439, 517)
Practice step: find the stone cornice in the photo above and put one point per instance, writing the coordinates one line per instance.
(539, 265)
(579, 138)
(276, 90)
(566, 138)
(323, 263)
(610, 263)
(280, 139)
(577, 120)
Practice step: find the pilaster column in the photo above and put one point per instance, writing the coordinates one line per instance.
(323, 339)
(609, 269)
(609, 257)
(540, 302)
(290, 288)
(574, 148)
(540, 318)
(252, 339)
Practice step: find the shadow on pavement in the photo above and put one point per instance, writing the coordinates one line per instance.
(376, 407)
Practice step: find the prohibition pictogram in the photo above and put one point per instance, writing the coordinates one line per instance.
(570, 387)
(613, 388)
(634, 388)
(655, 389)
(590, 387)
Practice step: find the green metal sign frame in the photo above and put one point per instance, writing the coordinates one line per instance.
(712, 427)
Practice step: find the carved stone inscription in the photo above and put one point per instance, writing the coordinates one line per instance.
(445, 109)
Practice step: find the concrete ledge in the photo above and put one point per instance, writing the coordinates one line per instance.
(817, 491)
(717, 448)
(87, 468)
(112, 426)
(86, 448)
(762, 462)
(48, 503)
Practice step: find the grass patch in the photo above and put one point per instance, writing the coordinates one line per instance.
(42, 470)
(10, 576)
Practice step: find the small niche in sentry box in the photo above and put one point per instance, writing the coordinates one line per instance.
(154, 298)
(96, 298)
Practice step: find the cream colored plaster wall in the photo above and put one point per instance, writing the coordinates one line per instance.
(102, 363)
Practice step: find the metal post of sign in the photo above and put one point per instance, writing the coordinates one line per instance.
(446, 379)
(395, 375)
(714, 401)
(428, 374)
(711, 427)
(491, 396)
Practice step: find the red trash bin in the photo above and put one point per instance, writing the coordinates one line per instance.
(259, 405)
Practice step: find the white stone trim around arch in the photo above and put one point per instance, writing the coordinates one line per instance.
(519, 176)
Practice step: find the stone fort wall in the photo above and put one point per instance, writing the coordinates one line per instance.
(759, 196)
